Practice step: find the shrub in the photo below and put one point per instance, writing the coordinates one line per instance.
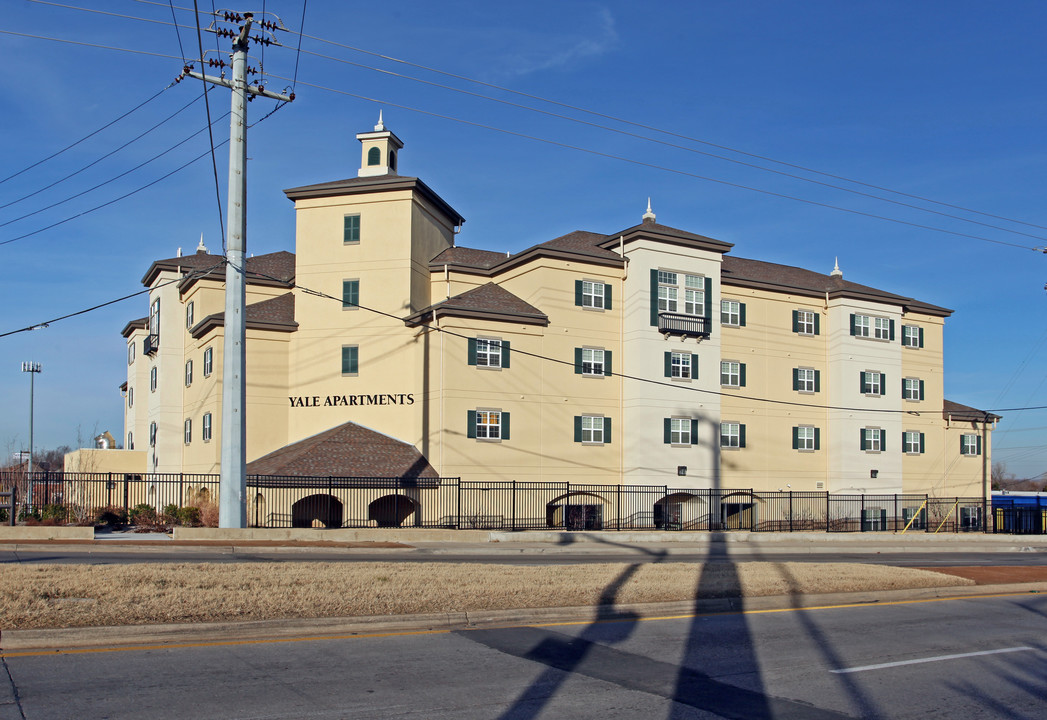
(189, 516)
(53, 511)
(3, 515)
(208, 513)
(111, 516)
(143, 514)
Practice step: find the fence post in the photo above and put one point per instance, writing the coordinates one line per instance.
(127, 492)
(458, 513)
(13, 514)
(861, 517)
(790, 511)
(514, 505)
(828, 509)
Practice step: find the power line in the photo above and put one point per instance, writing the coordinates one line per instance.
(91, 45)
(88, 136)
(653, 166)
(178, 33)
(47, 323)
(98, 160)
(210, 133)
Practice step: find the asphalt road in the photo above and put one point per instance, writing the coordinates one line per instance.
(966, 658)
(94, 555)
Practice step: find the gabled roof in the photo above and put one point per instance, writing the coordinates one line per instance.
(666, 234)
(275, 314)
(348, 450)
(486, 302)
(743, 272)
(139, 324)
(183, 265)
(468, 257)
(956, 411)
(274, 269)
(382, 183)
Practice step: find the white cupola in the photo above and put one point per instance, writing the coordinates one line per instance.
(378, 151)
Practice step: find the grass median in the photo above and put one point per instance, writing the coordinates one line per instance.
(54, 596)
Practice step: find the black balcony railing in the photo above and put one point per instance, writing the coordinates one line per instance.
(688, 325)
(150, 344)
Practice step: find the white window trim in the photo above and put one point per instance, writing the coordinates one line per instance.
(489, 353)
(731, 313)
(905, 442)
(673, 432)
(207, 429)
(593, 430)
(736, 436)
(911, 341)
(589, 300)
(867, 386)
(804, 440)
(916, 389)
(728, 375)
(800, 382)
(188, 427)
(800, 322)
(972, 445)
(602, 362)
(686, 362)
(208, 361)
(868, 439)
(188, 373)
(490, 412)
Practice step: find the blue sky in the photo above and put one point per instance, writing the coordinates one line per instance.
(942, 100)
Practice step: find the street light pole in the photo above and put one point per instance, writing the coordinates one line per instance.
(32, 368)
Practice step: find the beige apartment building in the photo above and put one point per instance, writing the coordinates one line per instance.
(648, 356)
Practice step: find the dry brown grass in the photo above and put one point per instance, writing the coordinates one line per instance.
(50, 596)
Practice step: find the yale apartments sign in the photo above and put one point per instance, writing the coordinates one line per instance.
(309, 401)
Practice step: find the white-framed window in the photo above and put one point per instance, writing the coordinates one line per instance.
(152, 434)
(912, 442)
(189, 316)
(130, 441)
(861, 326)
(350, 360)
(188, 373)
(208, 361)
(131, 352)
(912, 336)
(805, 380)
(732, 313)
(351, 229)
(681, 365)
(152, 379)
(488, 353)
(732, 435)
(805, 322)
(970, 444)
(188, 430)
(872, 383)
(593, 294)
(881, 328)
(154, 321)
(912, 389)
(130, 397)
(805, 438)
(694, 295)
(206, 430)
(678, 431)
(872, 440)
(668, 292)
(592, 429)
(488, 424)
(732, 374)
(592, 361)
(871, 326)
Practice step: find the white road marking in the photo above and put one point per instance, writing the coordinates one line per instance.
(930, 659)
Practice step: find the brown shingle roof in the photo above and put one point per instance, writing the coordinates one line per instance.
(349, 450)
(487, 302)
(469, 257)
(743, 272)
(139, 324)
(273, 314)
(277, 267)
(665, 233)
(956, 411)
(581, 242)
(383, 183)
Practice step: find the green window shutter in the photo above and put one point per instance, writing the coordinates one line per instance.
(741, 314)
(862, 445)
(607, 430)
(853, 326)
(817, 329)
(668, 364)
(817, 437)
(505, 426)
(923, 446)
(667, 431)
(883, 384)
(921, 390)
(903, 441)
(883, 441)
(606, 296)
(891, 331)
(694, 432)
(654, 298)
(796, 379)
(694, 366)
(796, 321)
(920, 337)
(861, 383)
(741, 374)
(577, 361)
(796, 438)
(741, 435)
(903, 388)
(471, 429)
(577, 428)
(472, 351)
(607, 363)
(578, 293)
(817, 379)
(961, 444)
(978, 451)
(505, 353)
(708, 297)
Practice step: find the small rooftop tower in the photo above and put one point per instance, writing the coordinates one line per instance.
(378, 154)
(649, 217)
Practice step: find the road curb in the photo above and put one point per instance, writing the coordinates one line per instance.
(286, 630)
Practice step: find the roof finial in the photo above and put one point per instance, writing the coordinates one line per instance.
(648, 216)
(380, 126)
(201, 248)
(836, 269)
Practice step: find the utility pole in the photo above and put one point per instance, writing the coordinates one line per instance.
(232, 511)
(32, 368)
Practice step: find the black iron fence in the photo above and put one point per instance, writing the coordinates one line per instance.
(342, 502)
